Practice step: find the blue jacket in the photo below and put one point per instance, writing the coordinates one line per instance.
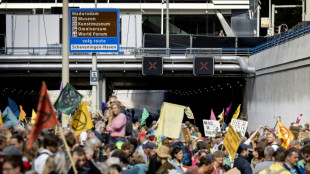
(243, 165)
(138, 169)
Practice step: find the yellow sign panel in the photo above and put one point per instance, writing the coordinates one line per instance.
(231, 141)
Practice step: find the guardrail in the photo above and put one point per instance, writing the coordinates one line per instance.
(282, 39)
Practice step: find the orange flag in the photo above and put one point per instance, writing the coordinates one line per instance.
(284, 134)
(22, 113)
(46, 116)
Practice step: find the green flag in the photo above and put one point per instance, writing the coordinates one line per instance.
(145, 114)
(68, 100)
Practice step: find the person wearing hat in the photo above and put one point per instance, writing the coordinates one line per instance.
(154, 164)
(163, 155)
(241, 163)
(306, 141)
(218, 141)
(143, 140)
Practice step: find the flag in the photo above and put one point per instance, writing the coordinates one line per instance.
(68, 100)
(228, 109)
(145, 114)
(298, 118)
(284, 134)
(170, 120)
(212, 117)
(22, 114)
(46, 115)
(237, 112)
(13, 107)
(221, 118)
(189, 113)
(9, 118)
(81, 120)
(61, 87)
(33, 117)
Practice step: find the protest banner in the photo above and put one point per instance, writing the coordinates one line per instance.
(231, 141)
(239, 125)
(303, 135)
(211, 127)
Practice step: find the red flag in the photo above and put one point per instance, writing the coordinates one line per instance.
(46, 116)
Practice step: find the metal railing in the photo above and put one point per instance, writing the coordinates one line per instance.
(286, 37)
(136, 51)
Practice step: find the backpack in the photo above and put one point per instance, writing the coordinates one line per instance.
(128, 131)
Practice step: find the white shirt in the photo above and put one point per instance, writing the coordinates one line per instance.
(140, 149)
(39, 162)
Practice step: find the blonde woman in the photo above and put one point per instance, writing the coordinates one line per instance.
(117, 124)
(139, 166)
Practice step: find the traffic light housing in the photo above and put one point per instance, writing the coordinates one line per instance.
(203, 66)
(152, 65)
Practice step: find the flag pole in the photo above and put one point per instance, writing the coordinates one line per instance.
(68, 150)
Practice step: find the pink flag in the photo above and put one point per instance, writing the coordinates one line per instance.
(298, 118)
(227, 109)
(212, 117)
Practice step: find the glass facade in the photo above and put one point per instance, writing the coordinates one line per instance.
(185, 24)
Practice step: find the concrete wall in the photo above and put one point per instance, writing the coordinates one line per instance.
(281, 86)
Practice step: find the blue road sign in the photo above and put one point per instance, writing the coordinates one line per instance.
(94, 77)
(93, 30)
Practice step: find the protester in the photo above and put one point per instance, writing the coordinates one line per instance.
(291, 159)
(268, 154)
(305, 153)
(117, 124)
(177, 157)
(272, 141)
(241, 163)
(218, 162)
(277, 167)
(139, 166)
(258, 157)
(51, 143)
(12, 164)
(218, 141)
(163, 155)
(203, 167)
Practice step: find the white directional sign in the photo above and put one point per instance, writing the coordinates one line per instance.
(239, 125)
(211, 127)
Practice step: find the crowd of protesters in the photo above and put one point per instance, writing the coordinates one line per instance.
(108, 149)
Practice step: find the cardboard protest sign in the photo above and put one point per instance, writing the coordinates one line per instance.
(186, 135)
(231, 141)
(211, 127)
(303, 135)
(239, 125)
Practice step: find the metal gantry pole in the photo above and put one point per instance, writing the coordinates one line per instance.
(167, 24)
(65, 52)
(258, 21)
(94, 87)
